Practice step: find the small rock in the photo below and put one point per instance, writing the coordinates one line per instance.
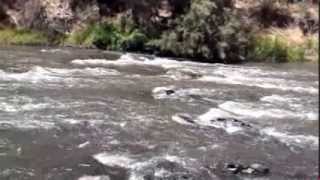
(169, 92)
(221, 119)
(245, 125)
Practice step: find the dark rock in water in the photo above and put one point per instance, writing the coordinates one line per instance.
(233, 121)
(234, 168)
(243, 124)
(253, 169)
(169, 92)
(187, 118)
(220, 119)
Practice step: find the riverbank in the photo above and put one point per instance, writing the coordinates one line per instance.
(243, 33)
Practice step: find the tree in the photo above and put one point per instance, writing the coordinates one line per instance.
(209, 30)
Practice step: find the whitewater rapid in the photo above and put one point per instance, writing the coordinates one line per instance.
(90, 115)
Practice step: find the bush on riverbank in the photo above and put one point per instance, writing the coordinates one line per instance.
(22, 37)
(109, 36)
(210, 31)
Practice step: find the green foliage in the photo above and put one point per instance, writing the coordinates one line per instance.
(108, 36)
(208, 30)
(82, 37)
(120, 35)
(275, 49)
(22, 37)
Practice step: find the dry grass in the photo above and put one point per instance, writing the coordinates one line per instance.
(22, 37)
(286, 45)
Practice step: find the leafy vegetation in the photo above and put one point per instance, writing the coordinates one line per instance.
(207, 31)
(82, 37)
(111, 36)
(203, 30)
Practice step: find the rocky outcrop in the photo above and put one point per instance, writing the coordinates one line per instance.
(65, 15)
(58, 15)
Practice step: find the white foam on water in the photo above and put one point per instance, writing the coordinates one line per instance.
(130, 59)
(6, 107)
(136, 167)
(279, 99)
(267, 83)
(10, 172)
(294, 103)
(41, 74)
(183, 74)
(256, 78)
(25, 103)
(250, 110)
(86, 177)
(53, 50)
(161, 173)
(213, 114)
(224, 74)
(175, 159)
(85, 71)
(26, 124)
(36, 74)
(93, 62)
(210, 119)
(290, 139)
(124, 60)
(90, 122)
(114, 160)
(83, 145)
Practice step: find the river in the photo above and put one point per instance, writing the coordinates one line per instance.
(80, 114)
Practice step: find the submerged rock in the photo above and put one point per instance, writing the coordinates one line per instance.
(258, 169)
(183, 119)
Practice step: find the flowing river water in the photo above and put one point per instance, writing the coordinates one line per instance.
(75, 114)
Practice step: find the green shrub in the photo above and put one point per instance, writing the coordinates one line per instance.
(108, 36)
(208, 31)
(82, 37)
